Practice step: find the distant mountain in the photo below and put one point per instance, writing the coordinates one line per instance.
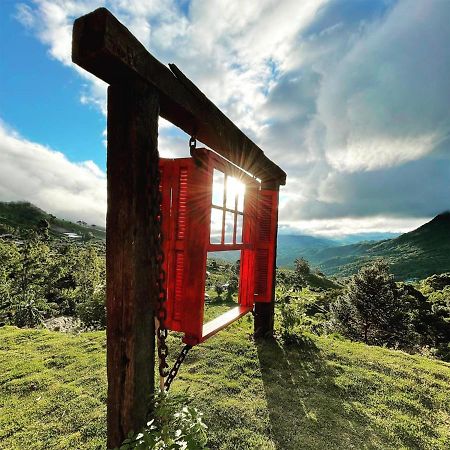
(364, 237)
(291, 247)
(19, 216)
(417, 254)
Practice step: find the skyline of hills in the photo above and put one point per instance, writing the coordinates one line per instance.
(415, 254)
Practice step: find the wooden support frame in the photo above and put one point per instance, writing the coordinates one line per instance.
(133, 109)
(107, 49)
(141, 89)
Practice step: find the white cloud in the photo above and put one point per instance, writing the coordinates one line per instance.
(337, 228)
(386, 101)
(350, 97)
(361, 119)
(229, 49)
(32, 172)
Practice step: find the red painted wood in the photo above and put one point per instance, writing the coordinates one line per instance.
(247, 270)
(266, 244)
(187, 202)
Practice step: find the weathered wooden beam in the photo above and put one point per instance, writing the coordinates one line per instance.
(132, 164)
(107, 49)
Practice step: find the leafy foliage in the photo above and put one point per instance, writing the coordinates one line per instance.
(375, 310)
(368, 309)
(291, 315)
(174, 427)
(39, 279)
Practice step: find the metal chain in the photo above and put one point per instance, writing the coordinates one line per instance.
(174, 371)
(161, 312)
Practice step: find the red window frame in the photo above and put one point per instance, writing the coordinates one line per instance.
(187, 204)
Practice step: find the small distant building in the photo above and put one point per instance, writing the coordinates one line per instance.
(72, 235)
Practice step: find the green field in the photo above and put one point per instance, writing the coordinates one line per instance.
(321, 393)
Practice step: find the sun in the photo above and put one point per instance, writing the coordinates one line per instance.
(235, 193)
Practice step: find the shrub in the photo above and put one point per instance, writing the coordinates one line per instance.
(292, 315)
(174, 427)
(92, 312)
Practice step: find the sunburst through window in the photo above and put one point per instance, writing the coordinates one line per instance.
(227, 213)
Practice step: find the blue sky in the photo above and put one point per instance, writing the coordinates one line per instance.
(40, 97)
(350, 97)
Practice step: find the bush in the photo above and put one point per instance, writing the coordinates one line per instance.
(174, 427)
(292, 315)
(92, 312)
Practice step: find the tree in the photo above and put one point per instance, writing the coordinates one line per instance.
(29, 282)
(90, 291)
(301, 271)
(87, 273)
(218, 287)
(440, 305)
(9, 259)
(302, 267)
(370, 310)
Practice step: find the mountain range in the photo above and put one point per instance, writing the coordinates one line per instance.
(416, 254)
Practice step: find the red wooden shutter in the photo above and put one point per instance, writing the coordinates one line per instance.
(185, 228)
(247, 269)
(265, 244)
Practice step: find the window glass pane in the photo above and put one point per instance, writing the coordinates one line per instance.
(232, 185)
(239, 225)
(229, 227)
(218, 187)
(241, 195)
(216, 226)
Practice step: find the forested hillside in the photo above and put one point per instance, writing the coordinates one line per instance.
(16, 217)
(283, 393)
(417, 254)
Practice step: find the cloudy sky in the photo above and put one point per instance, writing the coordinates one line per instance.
(350, 97)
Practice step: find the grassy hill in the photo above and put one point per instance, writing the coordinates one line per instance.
(25, 215)
(320, 394)
(417, 254)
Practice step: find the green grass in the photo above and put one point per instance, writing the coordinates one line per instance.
(320, 394)
(52, 390)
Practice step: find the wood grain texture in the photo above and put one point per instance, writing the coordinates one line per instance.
(131, 294)
(106, 48)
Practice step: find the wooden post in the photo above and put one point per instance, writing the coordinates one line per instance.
(265, 312)
(133, 109)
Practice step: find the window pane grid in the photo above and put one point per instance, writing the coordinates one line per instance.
(227, 210)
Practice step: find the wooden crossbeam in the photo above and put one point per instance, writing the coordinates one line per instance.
(106, 48)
